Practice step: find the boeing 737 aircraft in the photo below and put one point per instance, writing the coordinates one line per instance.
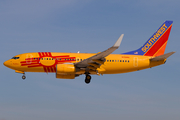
(71, 65)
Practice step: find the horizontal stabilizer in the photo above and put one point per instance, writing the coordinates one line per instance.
(162, 57)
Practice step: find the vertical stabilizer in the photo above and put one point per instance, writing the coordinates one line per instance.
(156, 44)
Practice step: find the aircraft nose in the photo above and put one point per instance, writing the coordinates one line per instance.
(6, 63)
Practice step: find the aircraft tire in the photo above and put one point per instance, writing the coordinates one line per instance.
(23, 77)
(88, 79)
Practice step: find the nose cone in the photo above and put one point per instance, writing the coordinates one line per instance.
(7, 63)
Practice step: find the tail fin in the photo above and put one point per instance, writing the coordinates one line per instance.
(156, 44)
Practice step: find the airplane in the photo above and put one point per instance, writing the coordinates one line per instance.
(71, 65)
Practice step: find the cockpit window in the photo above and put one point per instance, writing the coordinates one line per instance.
(15, 58)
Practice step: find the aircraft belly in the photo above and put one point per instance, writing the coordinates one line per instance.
(32, 69)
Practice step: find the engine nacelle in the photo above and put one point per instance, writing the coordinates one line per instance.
(65, 68)
(67, 76)
(65, 71)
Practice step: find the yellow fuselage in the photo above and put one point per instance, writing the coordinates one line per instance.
(47, 61)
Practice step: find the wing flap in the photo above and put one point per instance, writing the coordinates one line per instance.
(94, 65)
(99, 61)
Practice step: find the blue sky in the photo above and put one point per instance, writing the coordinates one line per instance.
(88, 26)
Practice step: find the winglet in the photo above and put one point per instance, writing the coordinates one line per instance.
(162, 57)
(118, 42)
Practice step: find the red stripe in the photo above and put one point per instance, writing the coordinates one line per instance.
(42, 54)
(48, 69)
(39, 54)
(46, 54)
(49, 54)
(34, 66)
(27, 64)
(52, 69)
(158, 44)
(62, 56)
(45, 69)
(28, 59)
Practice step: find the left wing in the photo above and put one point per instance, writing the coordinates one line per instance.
(94, 62)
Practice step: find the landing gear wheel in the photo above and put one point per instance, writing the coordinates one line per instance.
(88, 79)
(23, 77)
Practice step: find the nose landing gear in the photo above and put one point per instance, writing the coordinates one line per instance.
(24, 77)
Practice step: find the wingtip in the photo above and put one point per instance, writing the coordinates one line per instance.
(118, 42)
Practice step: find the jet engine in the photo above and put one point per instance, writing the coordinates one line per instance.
(65, 71)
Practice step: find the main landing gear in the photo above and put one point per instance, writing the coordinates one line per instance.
(24, 77)
(87, 79)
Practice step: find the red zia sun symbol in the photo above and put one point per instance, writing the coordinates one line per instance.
(47, 61)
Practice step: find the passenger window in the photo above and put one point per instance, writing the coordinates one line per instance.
(107, 60)
(112, 60)
(49, 58)
(125, 60)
